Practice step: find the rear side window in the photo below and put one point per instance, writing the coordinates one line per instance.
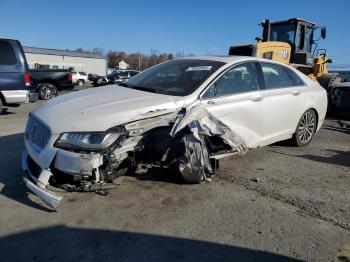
(7, 54)
(123, 74)
(277, 76)
(295, 78)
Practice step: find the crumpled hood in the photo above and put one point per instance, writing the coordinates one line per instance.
(97, 109)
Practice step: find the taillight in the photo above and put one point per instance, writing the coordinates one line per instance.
(70, 77)
(27, 79)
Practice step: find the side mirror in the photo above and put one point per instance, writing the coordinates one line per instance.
(323, 32)
(258, 39)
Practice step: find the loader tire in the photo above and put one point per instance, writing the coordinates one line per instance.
(327, 81)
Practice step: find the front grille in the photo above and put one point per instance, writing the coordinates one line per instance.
(37, 134)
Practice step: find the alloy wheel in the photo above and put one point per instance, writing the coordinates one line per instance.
(48, 92)
(306, 127)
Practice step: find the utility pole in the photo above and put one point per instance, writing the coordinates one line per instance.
(139, 61)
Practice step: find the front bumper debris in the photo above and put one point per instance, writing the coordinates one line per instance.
(198, 164)
(38, 185)
(190, 142)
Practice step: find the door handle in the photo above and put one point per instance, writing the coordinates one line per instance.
(257, 98)
(296, 93)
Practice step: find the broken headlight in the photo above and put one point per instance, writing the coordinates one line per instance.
(86, 141)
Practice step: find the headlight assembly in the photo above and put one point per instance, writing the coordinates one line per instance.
(86, 140)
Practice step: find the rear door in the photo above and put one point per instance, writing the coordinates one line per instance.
(283, 99)
(235, 100)
(13, 65)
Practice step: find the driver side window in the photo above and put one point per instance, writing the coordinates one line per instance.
(239, 79)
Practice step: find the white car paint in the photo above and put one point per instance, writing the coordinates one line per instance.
(260, 117)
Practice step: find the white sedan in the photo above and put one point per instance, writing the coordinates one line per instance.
(184, 114)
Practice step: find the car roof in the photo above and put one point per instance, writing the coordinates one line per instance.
(225, 59)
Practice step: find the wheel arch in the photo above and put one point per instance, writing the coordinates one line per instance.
(48, 81)
(317, 116)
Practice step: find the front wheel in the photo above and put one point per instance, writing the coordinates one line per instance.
(80, 83)
(47, 91)
(306, 128)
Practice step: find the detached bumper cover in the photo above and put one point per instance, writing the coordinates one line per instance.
(38, 185)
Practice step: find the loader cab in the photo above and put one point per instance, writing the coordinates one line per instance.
(298, 33)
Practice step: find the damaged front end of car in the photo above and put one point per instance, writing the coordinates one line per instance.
(189, 141)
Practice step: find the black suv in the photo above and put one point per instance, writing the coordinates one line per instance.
(120, 76)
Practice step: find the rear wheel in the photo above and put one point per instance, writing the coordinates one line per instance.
(306, 128)
(47, 91)
(80, 83)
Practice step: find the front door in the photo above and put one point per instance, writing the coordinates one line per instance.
(234, 98)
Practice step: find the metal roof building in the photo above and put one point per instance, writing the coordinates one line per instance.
(63, 59)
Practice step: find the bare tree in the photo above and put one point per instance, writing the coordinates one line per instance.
(134, 61)
(152, 60)
(180, 53)
(122, 56)
(170, 57)
(144, 62)
(137, 61)
(112, 58)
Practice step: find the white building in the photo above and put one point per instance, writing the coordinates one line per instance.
(61, 59)
(123, 65)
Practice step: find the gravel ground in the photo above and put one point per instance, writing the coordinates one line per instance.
(278, 203)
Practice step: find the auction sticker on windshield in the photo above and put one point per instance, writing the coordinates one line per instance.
(199, 68)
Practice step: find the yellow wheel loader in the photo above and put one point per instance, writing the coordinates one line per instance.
(293, 42)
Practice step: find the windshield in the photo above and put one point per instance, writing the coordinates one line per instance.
(176, 77)
(283, 32)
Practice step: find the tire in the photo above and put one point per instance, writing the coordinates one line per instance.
(327, 81)
(1, 107)
(80, 83)
(306, 128)
(47, 91)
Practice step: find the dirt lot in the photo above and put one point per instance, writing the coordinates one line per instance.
(278, 203)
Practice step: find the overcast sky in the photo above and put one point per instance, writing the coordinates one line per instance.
(195, 27)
